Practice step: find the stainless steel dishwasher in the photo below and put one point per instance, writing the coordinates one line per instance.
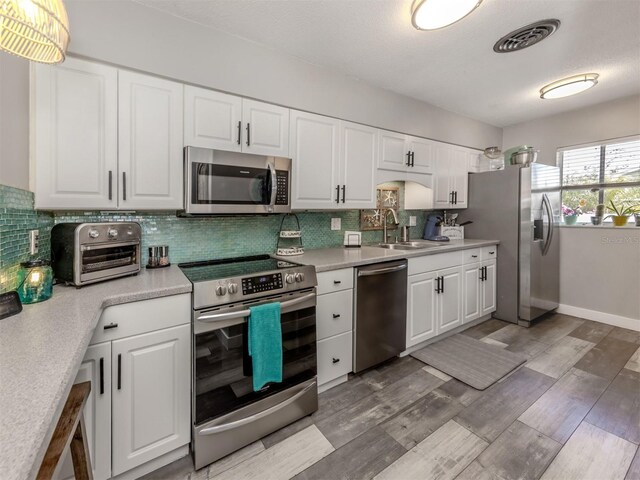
(380, 322)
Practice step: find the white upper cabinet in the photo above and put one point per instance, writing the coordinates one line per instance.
(266, 129)
(150, 142)
(75, 135)
(358, 155)
(212, 119)
(450, 176)
(405, 153)
(333, 163)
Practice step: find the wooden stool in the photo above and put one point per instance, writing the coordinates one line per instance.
(70, 432)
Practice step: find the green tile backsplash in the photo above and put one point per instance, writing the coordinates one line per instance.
(188, 238)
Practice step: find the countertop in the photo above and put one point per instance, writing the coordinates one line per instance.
(327, 259)
(41, 349)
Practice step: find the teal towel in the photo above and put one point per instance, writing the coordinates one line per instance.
(265, 344)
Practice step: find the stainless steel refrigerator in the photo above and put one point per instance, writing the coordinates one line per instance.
(520, 206)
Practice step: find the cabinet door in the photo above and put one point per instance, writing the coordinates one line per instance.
(450, 300)
(335, 357)
(459, 175)
(95, 368)
(422, 155)
(212, 119)
(472, 291)
(393, 150)
(315, 149)
(334, 314)
(358, 159)
(421, 308)
(441, 179)
(150, 142)
(75, 132)
(266, 129)
(489, 288)
(151, 396)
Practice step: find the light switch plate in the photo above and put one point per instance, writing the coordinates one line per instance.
(412, 221)
(336, 224)
(34, 239)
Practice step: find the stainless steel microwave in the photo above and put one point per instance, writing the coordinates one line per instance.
(219, 182)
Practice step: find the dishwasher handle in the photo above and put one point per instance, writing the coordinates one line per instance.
(381, 271)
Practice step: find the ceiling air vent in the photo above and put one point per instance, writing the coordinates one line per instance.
(526, 36)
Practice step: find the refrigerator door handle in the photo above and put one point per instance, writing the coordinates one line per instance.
(547, 206)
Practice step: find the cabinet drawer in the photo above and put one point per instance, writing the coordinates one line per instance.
(334, 313)
(471, 256)
(334, 357)
(141, 317)
(429, 263)
(335, 280)
(489, 253)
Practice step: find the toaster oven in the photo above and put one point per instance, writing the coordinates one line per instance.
(83, 253)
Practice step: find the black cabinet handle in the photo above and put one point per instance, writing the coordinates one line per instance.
(474, 256)
(239, 131)
(119, 371)
(455, 197)
(248, 134)
(124, 185)
(344, 189)
(110, 326)
(409, 158)
(110, 185)
(337, 193)
(335, 360)
(491, 253)
(413, 159)
(337, 282)
(441, 284)
(437, 284)
(336, 315)
(451, 197)
(101, 376)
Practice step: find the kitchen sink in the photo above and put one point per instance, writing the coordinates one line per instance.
(410, 245)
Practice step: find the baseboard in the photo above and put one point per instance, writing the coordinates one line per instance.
(154, 464)
(333, 383)
(609, 319)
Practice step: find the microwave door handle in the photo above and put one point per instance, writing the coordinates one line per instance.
(274, 185)
(215, 317)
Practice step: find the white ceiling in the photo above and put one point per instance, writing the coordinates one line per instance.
(454, 68)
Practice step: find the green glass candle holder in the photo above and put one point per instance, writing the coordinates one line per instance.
(35, 280)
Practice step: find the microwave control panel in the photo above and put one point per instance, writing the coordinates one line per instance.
(261, 283)
(282, 187)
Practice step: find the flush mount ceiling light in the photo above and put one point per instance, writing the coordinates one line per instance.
(34, 29)
(569, 86)
(435, 14)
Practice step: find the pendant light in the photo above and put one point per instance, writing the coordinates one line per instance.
(435, 14)
(569, 86)
(34, 29)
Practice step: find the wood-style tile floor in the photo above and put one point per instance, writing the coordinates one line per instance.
(571, 412)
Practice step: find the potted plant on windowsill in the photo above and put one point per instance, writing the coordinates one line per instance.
(622, 214)
(570, 215)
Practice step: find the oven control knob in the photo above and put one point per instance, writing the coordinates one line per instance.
(299, 277)
(289, 278)
(221, 290)
(113, 233)
(232, 287)
(93, 233)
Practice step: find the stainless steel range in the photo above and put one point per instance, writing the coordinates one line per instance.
(227, 413)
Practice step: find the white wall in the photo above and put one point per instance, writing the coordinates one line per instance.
(14, 121)
(135, 36)
(600, 268)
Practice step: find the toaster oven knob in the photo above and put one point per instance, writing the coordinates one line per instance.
(299, 277)
(221, 290)
(113, 233)
(289, 278)
(93, 233)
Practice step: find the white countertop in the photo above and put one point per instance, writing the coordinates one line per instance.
(327, 259)
(41, 349)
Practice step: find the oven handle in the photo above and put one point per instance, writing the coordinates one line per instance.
(253, 418)
(102, 246)
(274, 184)
(216, 317)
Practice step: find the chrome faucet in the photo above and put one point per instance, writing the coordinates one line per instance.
(385, 213)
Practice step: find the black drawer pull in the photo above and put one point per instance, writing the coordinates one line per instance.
(474, 256)
(335, 360)
(491, 253)
(110, 326)
(337, 282)
(336, 315)
(119, 371)
(101, 376)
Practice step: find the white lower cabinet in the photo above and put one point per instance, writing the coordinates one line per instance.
(334, 357)
(479, 288)
(151, 396)
(489, 287)
(450, 299)
(421, 308)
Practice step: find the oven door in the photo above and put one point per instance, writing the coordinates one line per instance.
(100, 261)
(222, 367)
(219, 182)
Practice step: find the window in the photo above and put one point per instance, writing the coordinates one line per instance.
(600, 174)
